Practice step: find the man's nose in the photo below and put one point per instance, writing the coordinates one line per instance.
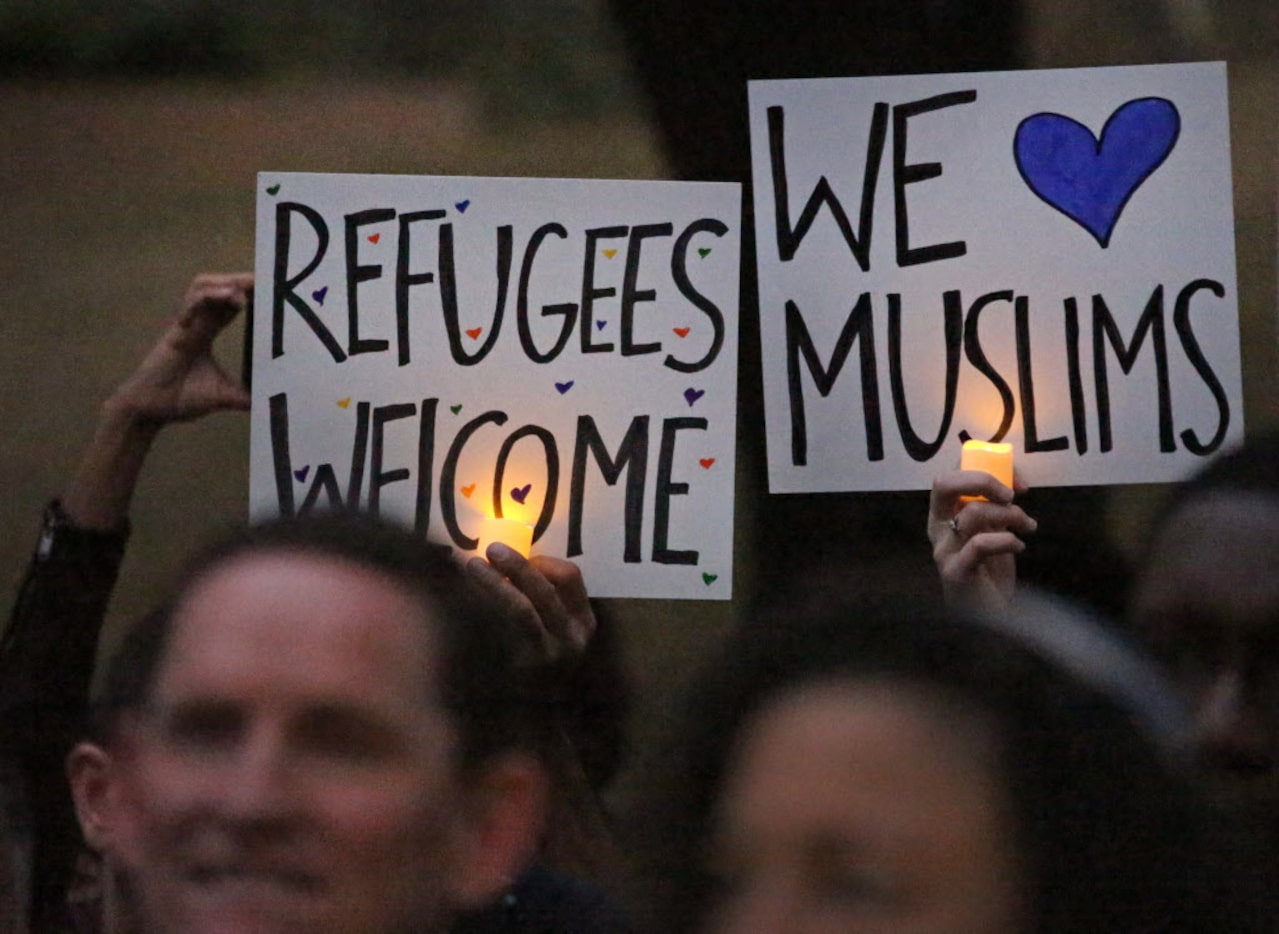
(258, 784)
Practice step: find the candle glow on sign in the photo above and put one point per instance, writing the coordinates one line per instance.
(515, 535)
(991, 457)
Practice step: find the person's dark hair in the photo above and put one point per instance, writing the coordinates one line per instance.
(478, 680)
(1252, 467)
(1108, 833)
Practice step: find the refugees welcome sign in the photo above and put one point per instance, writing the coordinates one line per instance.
(1041, 257)
(558, 352)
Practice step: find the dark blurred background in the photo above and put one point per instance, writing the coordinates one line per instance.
(131, 132)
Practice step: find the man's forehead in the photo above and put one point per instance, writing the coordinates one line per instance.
(302, 614)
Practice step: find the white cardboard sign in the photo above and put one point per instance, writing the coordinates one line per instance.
(559, 352)
(1042, 257)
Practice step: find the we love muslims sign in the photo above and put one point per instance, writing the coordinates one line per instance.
(558, 353)
(1042, 257)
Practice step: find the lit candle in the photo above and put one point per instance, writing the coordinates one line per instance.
(991, 457)
(514, 535)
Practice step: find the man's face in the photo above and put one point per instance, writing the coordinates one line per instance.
(294, 769)
(1208, 601)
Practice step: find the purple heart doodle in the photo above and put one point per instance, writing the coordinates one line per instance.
(520, 493)
(1088, 179)
(301, 473)
(319, 294)
(692, 395)
(564, 387)
(599, 325)
(462, 206)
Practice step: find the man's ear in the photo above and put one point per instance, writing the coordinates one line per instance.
(502, 822)
(89, 774)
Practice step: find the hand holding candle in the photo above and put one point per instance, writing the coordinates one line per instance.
(515, 535)
(976, 529)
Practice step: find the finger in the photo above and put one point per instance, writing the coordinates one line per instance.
(1019, 484)
(227, 393)
(496, 584)
(950, 487)
(980, 516)
(961, 566)
(529, 581)
(570, 588)
(210, 306)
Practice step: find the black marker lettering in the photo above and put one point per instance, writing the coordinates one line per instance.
(799, 343)
(953, 329)
(632, 456)
(284, 288)
(679, 271)
(355, 274)
(405, 279)
(378, 477)
(788, 238)
(666, 488)
(1194, 353)
(1106, 330)
(904, 174)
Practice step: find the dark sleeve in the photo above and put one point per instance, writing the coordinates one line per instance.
(595, 703)
(46, 670)
(543, 901)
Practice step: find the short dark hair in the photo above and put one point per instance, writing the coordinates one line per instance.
(1251, 467)
(478, 680)
(1108, 830)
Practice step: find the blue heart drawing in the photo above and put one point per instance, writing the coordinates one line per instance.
(1088, 179)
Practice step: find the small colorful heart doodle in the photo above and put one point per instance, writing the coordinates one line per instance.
(319, 294)
(374, 238)
(599, 325)
(301, 473)
(707, 463)
(344, 403)
(691, 395)
(467, 490)
(704, 252)
(681, 332)
(564, 387)
(520, 493)
(610, 253)
(474, 333)
(462, 206)
(1090, 180)
(455, 408)
(709, 579)
(274, 189)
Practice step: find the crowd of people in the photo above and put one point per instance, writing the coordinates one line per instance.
(330, 724)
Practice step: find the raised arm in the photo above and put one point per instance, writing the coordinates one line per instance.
(178, 380)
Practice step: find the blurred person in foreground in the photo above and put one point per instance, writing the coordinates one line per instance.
(330, 739)
(874, 764)
(1205, 602)
(47, 659)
